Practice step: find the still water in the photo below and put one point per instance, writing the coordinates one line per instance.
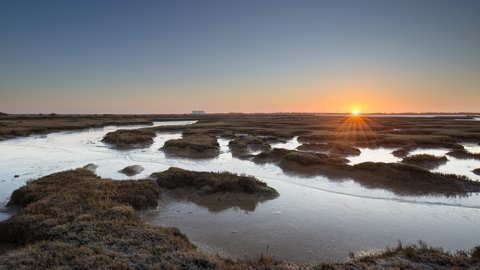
(315, 218)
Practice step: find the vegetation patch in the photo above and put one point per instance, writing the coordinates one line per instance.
(425, 160)
(463, 154)
(402, 152)
(228, 135)
(317, 137)
(413, 256)
(306, 158)
(396, 175)
(274, 155)
(51, 204)
(128, 138)
(76, 220)
(211, 182)
(132, 170)
(91, 167)
(247, 144)
(196, 146)
(391, 176)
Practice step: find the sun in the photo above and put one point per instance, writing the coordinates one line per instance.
(355, 112)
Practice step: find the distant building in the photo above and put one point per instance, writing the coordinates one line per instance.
(198, 112)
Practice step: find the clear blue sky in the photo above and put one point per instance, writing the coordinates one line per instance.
(249, 56)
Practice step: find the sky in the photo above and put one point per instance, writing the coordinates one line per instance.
(155, 57)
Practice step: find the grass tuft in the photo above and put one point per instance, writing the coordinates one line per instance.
(128, 138)
(211, 182)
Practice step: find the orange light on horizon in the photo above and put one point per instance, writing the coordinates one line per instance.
(355, 112)
(356, 129)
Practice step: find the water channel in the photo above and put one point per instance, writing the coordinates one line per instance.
(315, 219)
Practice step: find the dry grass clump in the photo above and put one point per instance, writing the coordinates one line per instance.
(76, 220)
(343, 149)
(91, 167)
(425, 160)
(305, 163)
(275, 155)
(228, 135)
(193, 146)
(391, 176)
(286, 157)
(317, 137)
(419, 178)
(463, 154)
(320, 147)
(245, 144)
(211, 182)
(127, 138)
(306, 158)
(132, 170)
(414, 256)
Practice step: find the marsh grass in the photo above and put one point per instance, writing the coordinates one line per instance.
(128, 138)
(246, 141)
(132, 170)
(212, 182)
(425, 160)
(198, 143)
(244, 145)
(463, 154)
(76, 220)
(421, 256)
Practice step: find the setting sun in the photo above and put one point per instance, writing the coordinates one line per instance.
(355, 112)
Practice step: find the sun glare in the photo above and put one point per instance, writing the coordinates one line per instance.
(355, 112)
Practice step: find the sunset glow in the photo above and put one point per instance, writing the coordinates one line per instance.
(241, 56)
(355, 112)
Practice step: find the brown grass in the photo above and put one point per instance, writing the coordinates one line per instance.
(211, 182)
(128, 138)
(425, 160)
(193, 146)
(132, 170)
(462, 154)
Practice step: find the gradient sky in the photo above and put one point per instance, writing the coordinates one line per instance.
(239, 56)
